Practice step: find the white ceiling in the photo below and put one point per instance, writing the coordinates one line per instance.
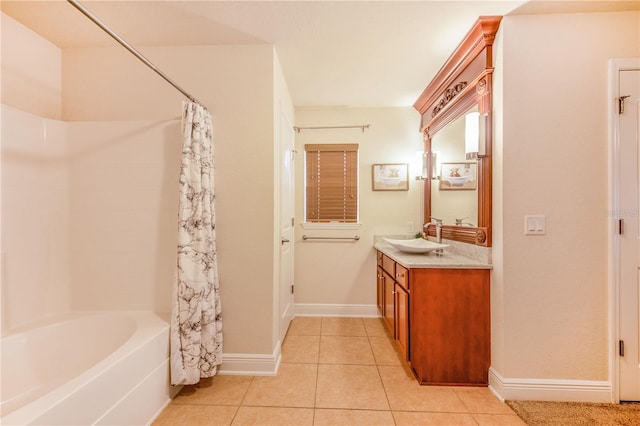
(333, 53)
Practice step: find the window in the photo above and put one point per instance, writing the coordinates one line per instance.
(331, 187)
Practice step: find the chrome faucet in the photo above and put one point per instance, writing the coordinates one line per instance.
(438, 224)
(460, 222)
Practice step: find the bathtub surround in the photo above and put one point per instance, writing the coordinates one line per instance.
(58, 178)
(196, 320)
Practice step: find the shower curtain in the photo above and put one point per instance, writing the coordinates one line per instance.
(196, 325)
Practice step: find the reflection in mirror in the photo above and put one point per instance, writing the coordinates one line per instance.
(454, 189)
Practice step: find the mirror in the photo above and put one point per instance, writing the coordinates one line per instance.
(454, 183)
(462, 189)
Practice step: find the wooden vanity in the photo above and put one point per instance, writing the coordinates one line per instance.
(437, 309)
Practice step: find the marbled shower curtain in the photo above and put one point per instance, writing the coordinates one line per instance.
(196, 325)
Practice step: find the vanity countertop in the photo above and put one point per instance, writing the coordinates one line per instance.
(446, 260)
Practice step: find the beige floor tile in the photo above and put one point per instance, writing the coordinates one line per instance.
(353, 417)
(305, 326)
(384, 351)
(336, 326)
(302, 349)
(481, 400)
(196, 415)
(375, 327)
(294, 386)
(351, 387)
(498, 420)
(405, 394)
(345, 350)
(273, 416)
(419, 418)
(217, 390)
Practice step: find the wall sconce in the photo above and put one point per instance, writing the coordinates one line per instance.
(435, 165)
(421, 165)
(474, 135)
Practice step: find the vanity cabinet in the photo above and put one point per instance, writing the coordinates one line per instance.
(440, 320)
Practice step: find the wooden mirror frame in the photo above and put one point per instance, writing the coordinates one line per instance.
(464, 80)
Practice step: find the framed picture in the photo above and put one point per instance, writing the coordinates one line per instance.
(390, 177)
(458, 176)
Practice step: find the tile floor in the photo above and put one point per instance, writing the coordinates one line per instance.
(335, 371)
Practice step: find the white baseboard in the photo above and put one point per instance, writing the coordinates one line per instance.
(331, 310)
(251, 364)
(549, 389)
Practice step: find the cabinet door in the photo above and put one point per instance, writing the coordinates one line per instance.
(380, 291)
(402, 320)
(450, 326)
(389, 301)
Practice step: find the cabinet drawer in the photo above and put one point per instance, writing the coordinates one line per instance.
(389, 265)
(402, 276)
(379, 258)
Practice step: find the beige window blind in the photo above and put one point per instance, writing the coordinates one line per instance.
(331, 183)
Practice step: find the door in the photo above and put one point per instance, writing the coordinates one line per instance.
(388, 313)
(629, 238)
(402, 320)
(287, 195)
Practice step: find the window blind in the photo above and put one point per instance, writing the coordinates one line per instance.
(331, 183)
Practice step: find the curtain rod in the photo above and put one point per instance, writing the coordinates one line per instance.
(360, 126)
(130, 48)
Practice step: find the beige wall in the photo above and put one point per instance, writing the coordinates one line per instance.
(24, 56)
(343, 273)
(123, 208)
(550, 292)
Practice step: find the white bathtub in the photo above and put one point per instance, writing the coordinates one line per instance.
(87, 368)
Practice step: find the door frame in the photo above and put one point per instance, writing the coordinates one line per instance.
(613, 242)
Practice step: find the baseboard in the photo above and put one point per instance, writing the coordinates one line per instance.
(549, 389)
(334, 310)
(251, 364)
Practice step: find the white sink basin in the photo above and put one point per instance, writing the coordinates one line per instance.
(417, 245)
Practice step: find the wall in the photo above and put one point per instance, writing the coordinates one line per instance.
(550, 292)
(123, 209)
(24, 86)
(343, 273)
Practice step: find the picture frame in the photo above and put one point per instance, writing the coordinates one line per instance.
(458, 176)
(390, 177)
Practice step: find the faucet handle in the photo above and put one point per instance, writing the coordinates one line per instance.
(459, 221)
(436, 220)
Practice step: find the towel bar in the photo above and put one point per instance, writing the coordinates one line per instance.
(355, 238)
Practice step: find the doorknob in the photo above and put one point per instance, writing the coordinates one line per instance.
(283, 240)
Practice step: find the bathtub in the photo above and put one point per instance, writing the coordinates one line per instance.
(109, 368)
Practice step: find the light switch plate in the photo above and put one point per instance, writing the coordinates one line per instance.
(535, 225)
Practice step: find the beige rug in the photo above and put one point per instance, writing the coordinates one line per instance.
(576, 413)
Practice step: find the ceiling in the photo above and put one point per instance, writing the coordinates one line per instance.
(333, 53)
